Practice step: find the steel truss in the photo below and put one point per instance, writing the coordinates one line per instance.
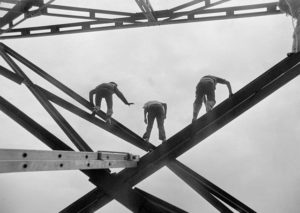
(96, 19)
(121, 186)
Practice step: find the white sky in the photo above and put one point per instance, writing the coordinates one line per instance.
(255, 158)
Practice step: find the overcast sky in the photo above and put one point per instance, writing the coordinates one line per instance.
(255, 158)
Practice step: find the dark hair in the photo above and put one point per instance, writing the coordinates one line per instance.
(113, 83)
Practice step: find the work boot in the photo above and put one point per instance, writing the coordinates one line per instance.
(290, 54)
(108, 121)
(95, 109)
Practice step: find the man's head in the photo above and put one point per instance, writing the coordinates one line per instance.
(113, 83)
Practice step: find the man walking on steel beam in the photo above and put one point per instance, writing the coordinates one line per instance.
(292, 8)
(158, 110)
(205, 92)
(106, 90)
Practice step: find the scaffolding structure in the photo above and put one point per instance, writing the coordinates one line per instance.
(120, 186)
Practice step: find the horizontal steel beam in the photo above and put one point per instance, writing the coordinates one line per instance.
(164, 17)
(23, 154)
(18, 160)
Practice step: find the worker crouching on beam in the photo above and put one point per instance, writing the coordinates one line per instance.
(106, 91)
(292, 8)
(155, 110)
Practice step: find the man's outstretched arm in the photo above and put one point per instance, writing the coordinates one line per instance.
(165, 106)
(227, 83)
(145, 115)
(122, 97)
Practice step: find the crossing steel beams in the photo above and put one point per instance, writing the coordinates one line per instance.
(121, 186)
(101, 19)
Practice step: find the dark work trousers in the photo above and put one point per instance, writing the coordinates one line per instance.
(156, 111)
(204, 88)
(108, 98)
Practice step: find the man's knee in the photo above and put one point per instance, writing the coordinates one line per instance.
(109, 112)
(210, 104)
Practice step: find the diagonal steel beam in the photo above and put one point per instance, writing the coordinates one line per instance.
(130, 198)
(83, 114)
(20, 8)
(147, 9)
(64, 125)
(206, 125)
(31, 126)
(121, 128)
(208, 4)
(53, 142)
(185, 5)
(204, 187)
(10, 75)
(87, 13)
(159, 203)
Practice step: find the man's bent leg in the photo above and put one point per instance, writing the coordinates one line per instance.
(97, 107)
(146, 136)
(209, 105)
(196, 107)
(296, 37)
(161, 128)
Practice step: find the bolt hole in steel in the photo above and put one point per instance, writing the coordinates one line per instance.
(86, 157)
(24, 166)
(109, 164)
(61, 165)
(88, 164)
(59, 156)
(24, 155)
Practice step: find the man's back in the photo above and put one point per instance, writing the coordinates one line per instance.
(106, 86)
(151, 103)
